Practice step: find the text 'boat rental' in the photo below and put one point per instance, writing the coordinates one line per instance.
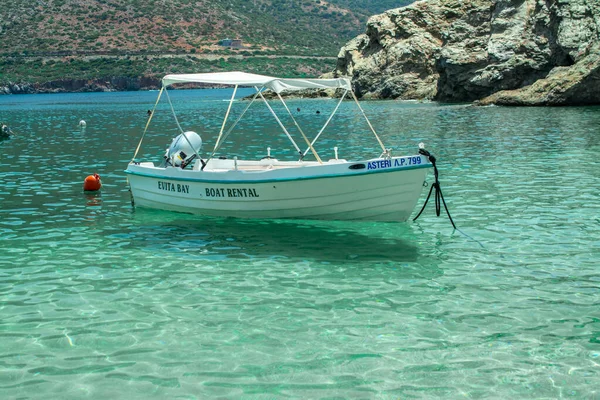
(384, 188)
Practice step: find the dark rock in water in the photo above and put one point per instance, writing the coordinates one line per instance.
(517, 52)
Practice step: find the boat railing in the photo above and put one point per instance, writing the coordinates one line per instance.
(215, 165)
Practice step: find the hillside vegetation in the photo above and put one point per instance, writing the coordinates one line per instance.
(93, 38)
(182, 25)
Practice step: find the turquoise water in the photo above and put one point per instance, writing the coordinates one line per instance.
(101, 300)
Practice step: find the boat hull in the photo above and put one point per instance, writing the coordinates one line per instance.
(341, 191)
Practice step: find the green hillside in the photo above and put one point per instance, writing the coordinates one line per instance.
(43, 40)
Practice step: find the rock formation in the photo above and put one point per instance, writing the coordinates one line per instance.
(516, 52)
(111, 84)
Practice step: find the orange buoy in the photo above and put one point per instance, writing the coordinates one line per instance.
(92, 183)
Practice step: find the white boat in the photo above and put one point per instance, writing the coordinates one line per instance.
(377, 188)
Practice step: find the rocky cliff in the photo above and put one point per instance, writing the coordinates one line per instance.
(516, 52)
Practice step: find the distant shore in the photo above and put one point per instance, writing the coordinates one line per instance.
(98, 72)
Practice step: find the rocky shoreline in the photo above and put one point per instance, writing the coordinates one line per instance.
(506, 52)
(111, 84)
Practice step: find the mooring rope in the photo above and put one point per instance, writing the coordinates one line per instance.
(438, 190)
(439, 196)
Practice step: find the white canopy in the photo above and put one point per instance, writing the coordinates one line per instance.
(278, 85)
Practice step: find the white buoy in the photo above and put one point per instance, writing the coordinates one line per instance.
(82, 123)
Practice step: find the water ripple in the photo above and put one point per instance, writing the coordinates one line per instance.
(102, 300)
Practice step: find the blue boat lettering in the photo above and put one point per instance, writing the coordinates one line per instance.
(400, 162)
(183, 188)
(232, 192)
(379, 164)
(414, 160)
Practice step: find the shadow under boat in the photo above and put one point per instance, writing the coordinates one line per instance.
(284, 240)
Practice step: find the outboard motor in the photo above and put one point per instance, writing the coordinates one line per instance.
(183, 149)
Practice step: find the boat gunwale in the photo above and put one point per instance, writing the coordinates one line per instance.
(282, 179)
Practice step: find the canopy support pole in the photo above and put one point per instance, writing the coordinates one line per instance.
(173, 111)
(182, 132)
(220, 142)
(147, 125)
(327, 122)
(310, 146)
(385, 151)
(280, 124)
(226, 116)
